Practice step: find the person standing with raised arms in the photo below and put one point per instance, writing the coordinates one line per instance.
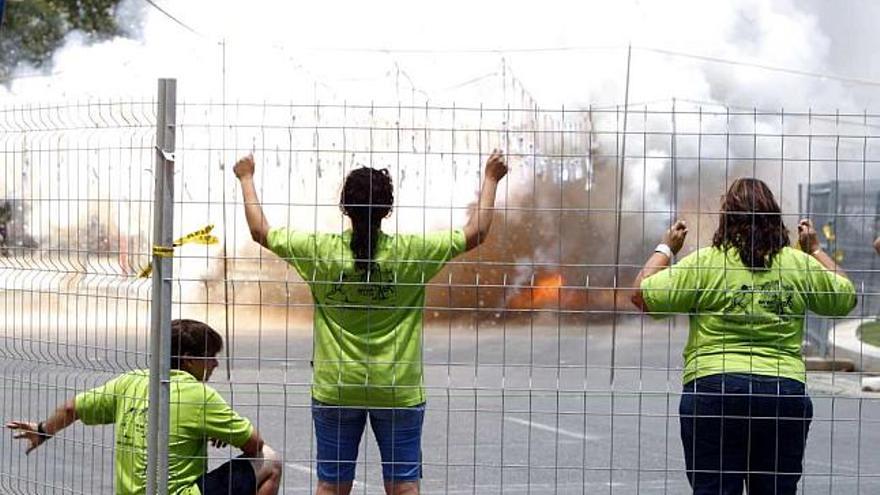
(369, 293)
(745, 412)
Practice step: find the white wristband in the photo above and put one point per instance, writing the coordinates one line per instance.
(664, 249)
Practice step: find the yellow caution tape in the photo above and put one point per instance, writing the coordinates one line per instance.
(163, 251)
(202, 236)
(829, 232)
(147, 271)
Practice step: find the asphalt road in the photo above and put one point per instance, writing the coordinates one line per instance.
(526, 408)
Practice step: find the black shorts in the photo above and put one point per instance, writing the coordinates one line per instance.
(235, 477)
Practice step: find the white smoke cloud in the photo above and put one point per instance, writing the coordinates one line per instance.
(308, 52)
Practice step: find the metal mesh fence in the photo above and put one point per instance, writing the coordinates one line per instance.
(541, 376)
(76, 210)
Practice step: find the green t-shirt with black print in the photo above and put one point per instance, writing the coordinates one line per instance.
(197, 413)
(746, 321)
(368, 325)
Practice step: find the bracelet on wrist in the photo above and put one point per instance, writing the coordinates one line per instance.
(41, 430)
(664, 249)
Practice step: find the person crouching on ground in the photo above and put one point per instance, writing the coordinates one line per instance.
(744, 410)
(369, 292)
(197, 414)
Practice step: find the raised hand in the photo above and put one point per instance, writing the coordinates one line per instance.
(808, 239)
(674, 237)
(244, 167)
(496, 168)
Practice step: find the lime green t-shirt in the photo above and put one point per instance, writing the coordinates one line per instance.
(197, 414)
(746, 321)
(368, 333)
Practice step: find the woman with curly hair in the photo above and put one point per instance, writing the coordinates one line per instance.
(744, 409)
(369, 292)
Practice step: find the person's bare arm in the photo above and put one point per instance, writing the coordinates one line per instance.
(877, 245)
(253, 210)
(808, 240)
(64, 416)
(477, 228)
(254, 445)
(674, 238)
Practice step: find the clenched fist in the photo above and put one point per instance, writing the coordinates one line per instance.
(244, 167)
(496, 168)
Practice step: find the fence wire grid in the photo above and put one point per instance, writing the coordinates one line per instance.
(541, 376)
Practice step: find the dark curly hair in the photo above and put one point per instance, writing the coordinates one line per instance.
(193, 338)
(751, 222)
(366, 199)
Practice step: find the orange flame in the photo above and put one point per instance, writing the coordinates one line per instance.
(545, 293)
(550, 292)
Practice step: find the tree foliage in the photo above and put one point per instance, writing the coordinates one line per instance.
(33, 29)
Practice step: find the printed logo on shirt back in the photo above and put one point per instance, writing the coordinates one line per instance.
(354, 287)
(772, 297)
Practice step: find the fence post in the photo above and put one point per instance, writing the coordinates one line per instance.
(160, 331)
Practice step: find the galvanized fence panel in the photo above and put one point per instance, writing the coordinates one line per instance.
(75, 212)
(541, 376)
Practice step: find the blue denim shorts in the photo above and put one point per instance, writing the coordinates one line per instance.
(398, 431)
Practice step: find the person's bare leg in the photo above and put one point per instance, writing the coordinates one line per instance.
(267, 469)
(402, 487)
(327, 488)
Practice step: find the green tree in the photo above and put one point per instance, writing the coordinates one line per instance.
(33, 29)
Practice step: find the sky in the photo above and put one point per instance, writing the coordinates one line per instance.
(563, 53)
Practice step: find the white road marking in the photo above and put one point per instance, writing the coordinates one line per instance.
(540, 426)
